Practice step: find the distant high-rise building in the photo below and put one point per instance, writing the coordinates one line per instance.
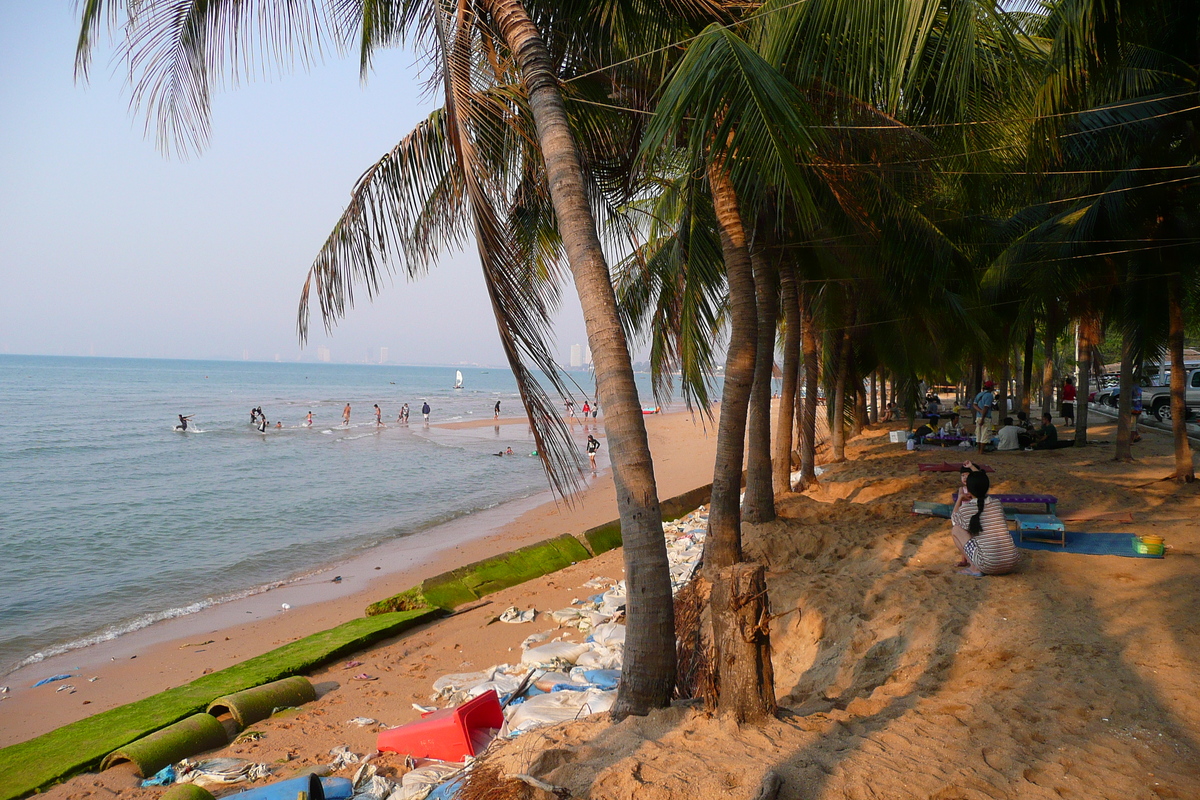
(587, 356)
(245, 355)
(383, 354)
(576, 355)
(277, 358)
(323, 354)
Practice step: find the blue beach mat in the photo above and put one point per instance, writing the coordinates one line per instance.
(1091, 544)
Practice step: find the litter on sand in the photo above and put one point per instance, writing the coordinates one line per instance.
(52, 679)
(343, 756)
(164, 777)
(515, 616)
(362, 676)
(362, 722)
(215, 771)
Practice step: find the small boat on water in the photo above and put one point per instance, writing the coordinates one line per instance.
(458, 382)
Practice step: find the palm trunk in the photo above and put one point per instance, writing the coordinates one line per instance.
(1087, 329)
(650, 642)
(1184, 470)
(1027, 372)
(724, 545)
(1124, 450)
(1005, 378)
(812, 376)
(760, 492)
(875, 397)
(745, 683)
(837, 417)
(782, 466)
(1048, 364)
(860, 407)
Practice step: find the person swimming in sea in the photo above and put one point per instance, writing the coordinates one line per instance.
(183, 421)
(279, 424)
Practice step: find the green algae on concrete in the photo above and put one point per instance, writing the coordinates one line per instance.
(71, 749)
(603, 538)
(408, 600)
(469, 583)
(188, 737)
(253, 705)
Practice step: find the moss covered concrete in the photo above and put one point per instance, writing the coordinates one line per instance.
(469, 583)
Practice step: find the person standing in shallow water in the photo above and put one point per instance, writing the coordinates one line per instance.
(496, 412)
(378, 416)
(592, 447)
(425, 411)
(346, 415)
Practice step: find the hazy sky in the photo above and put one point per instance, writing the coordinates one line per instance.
(111, 249)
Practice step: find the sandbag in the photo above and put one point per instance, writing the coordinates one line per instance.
(547, 709)
(564, 651)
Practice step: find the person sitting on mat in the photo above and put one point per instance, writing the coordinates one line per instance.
(952, 427)
(928, 429)
(979, 529)
(1047, 437)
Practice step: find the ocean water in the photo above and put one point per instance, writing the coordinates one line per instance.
(111, 520)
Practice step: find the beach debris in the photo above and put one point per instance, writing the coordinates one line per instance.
(343, 756)
(565, 616)
(195, 644)
(515, 616)
(93, 679)
(535, 638)
(548, 709)
(599, 583)
(362, 722)
(52, 679)
(249, 736)
(369, 785)
(337, 579)
(68, 688)
(352, 664)
(164, 777)
(418, 783)
(219, 771)
(286, 606)
(362, 676)
(3, 690)
(423, 709)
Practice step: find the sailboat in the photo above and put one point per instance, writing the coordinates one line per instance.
(457, 379)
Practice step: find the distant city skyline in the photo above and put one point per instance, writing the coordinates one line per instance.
(113, 250)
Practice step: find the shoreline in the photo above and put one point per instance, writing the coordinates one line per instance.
(175, 651)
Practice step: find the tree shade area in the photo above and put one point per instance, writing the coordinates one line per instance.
(882, 194)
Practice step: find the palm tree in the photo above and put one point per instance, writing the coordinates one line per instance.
(174, 48)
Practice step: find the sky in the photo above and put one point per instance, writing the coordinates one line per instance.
(111, 249)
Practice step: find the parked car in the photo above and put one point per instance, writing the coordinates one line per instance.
(1156, 400)
(1111, 395)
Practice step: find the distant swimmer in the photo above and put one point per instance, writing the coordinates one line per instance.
(262, 424)
(496, 413)
(425, 411)
(508, 451)
(592, 446)
(308, 422)
(182, 426)
(346, 415)
(378, 416)
(279, 424)
(253, 415)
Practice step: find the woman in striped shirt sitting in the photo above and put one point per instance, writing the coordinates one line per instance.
(979, 529)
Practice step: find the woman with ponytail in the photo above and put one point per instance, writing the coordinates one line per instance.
(979, 529)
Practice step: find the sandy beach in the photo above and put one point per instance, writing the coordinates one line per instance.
(897, 677)
(176, 651)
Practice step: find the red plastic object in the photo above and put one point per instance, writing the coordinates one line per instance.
(450, 734)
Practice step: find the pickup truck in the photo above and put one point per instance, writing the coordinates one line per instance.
(1156, 400)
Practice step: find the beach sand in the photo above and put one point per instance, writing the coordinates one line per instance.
(1075, 677)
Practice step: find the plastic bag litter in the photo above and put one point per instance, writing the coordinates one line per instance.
(606, 679)
(599, 583)
(343, 757)
(418, 783)
(517, 616)
(164, 777)
(219, 771)
(368, 785)
(362, 722)
(608, 634)
(555, 651)
(547, 709)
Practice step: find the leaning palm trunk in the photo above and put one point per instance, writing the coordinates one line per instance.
(1184, 470)
(760, 494)
(724, 545)
(874, 397)
(1086, 341)
(745, 683)
(782, 467)
(1124, 450)
(650, 643)
(808, 425)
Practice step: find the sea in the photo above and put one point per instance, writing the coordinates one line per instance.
(112, 520)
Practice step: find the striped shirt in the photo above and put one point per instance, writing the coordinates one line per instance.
(991, 550)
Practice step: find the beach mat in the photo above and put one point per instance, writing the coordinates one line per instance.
(1090, 544)
(946, 466)
(927, 509)
(1097, 516)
